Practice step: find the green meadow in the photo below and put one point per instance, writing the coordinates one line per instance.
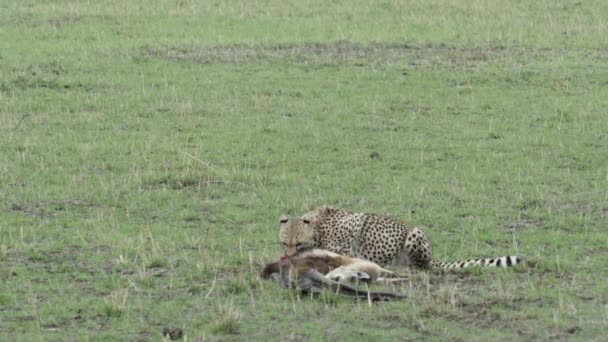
(148, 148)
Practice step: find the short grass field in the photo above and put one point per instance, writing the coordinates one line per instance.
(148, 148)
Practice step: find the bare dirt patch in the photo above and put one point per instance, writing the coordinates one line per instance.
(36, 76)
(49, 209)
(346, 52)
(184, 183)
(187, 182)
(523, 224)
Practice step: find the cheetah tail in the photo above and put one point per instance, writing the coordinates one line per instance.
(503, 261)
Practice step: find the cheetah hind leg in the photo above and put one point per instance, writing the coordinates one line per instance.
(416, 250)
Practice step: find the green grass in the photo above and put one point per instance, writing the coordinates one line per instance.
(147, 149)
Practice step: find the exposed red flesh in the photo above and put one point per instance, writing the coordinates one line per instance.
(283, 260)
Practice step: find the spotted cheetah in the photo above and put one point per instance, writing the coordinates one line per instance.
(372, 237)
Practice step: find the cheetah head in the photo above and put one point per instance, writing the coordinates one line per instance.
(296, 235)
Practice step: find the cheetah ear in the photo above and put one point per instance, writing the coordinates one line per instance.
(283, 219)
(323, 210)
(306, 221)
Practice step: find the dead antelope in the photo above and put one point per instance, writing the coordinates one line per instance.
(312, 270)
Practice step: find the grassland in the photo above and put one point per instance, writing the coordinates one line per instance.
(147, 149)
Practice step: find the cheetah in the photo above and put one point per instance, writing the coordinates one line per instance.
(379, 239)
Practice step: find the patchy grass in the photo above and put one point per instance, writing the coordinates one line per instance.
(147, 149)
(227, 320)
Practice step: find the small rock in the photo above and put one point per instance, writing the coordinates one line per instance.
(574, 329)
(173, 333)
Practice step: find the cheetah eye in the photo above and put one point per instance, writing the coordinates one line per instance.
(283, 219)
(306, 221)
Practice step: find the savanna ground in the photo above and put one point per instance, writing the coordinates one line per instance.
(147, 149)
